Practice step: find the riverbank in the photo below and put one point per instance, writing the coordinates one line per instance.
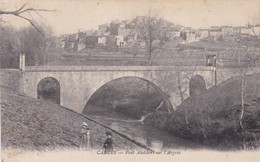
(155, 139)
(214, 117)
(31, 124)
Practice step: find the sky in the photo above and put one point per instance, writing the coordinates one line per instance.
(73, 15)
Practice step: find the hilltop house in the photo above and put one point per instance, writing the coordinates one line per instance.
(236, 30)
(204, 33)
(227, 30)
(120, 42)
(173, 33)
(62, 44)
(256, 30)
(129, 34)
(81, 46)
(191, 37)
(72, 38)
(114, 26)
(131, 38)
(69, 42)
(247, 31)
(215, 33)
(102, 40)
(126, 31)
(111, 42)
(91, 41)
(215, 28)
(61, 41)
(188, 35)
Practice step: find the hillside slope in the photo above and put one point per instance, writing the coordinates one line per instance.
(29, 123)
(224, 96)
(212, 118)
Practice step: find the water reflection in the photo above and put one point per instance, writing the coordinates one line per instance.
(147, 135)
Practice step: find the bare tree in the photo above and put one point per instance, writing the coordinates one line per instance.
(175, 83)
(249, 94)
(151, 32)
(243, 69)
(34, 45)
(243, 88)
(182, 86)
(26, 9)
(253, 56)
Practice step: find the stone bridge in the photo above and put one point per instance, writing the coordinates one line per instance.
(77, 84)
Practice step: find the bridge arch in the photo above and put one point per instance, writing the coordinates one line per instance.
(49, 89)
(165, 98)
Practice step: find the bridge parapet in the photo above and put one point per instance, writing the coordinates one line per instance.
(116, 68)
(227, 73)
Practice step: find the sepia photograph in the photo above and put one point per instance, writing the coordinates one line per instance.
(129, 80)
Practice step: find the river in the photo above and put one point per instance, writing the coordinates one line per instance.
(155, 139)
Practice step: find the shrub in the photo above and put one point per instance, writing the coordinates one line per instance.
(223, 132)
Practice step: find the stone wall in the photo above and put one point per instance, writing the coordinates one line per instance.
(11, 78)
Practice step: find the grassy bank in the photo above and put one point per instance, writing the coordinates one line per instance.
(213, 117)
(28, 123)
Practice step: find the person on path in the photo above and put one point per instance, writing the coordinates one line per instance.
(108, 145)
(85, 142)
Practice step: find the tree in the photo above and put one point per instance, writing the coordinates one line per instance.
(33, 41)
(28, 41)
(34, 45)
(25, 9)
(243, 88)
(244, 95)
(182, 87)
(9, 48)
(151, 31)
(253, 56)
(175, 84)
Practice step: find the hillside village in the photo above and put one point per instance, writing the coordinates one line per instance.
(125, 34)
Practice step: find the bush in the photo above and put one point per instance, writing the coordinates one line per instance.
(221, 133)
(158, 119)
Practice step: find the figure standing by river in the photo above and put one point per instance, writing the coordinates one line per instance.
(108, 145)
(85, 142)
